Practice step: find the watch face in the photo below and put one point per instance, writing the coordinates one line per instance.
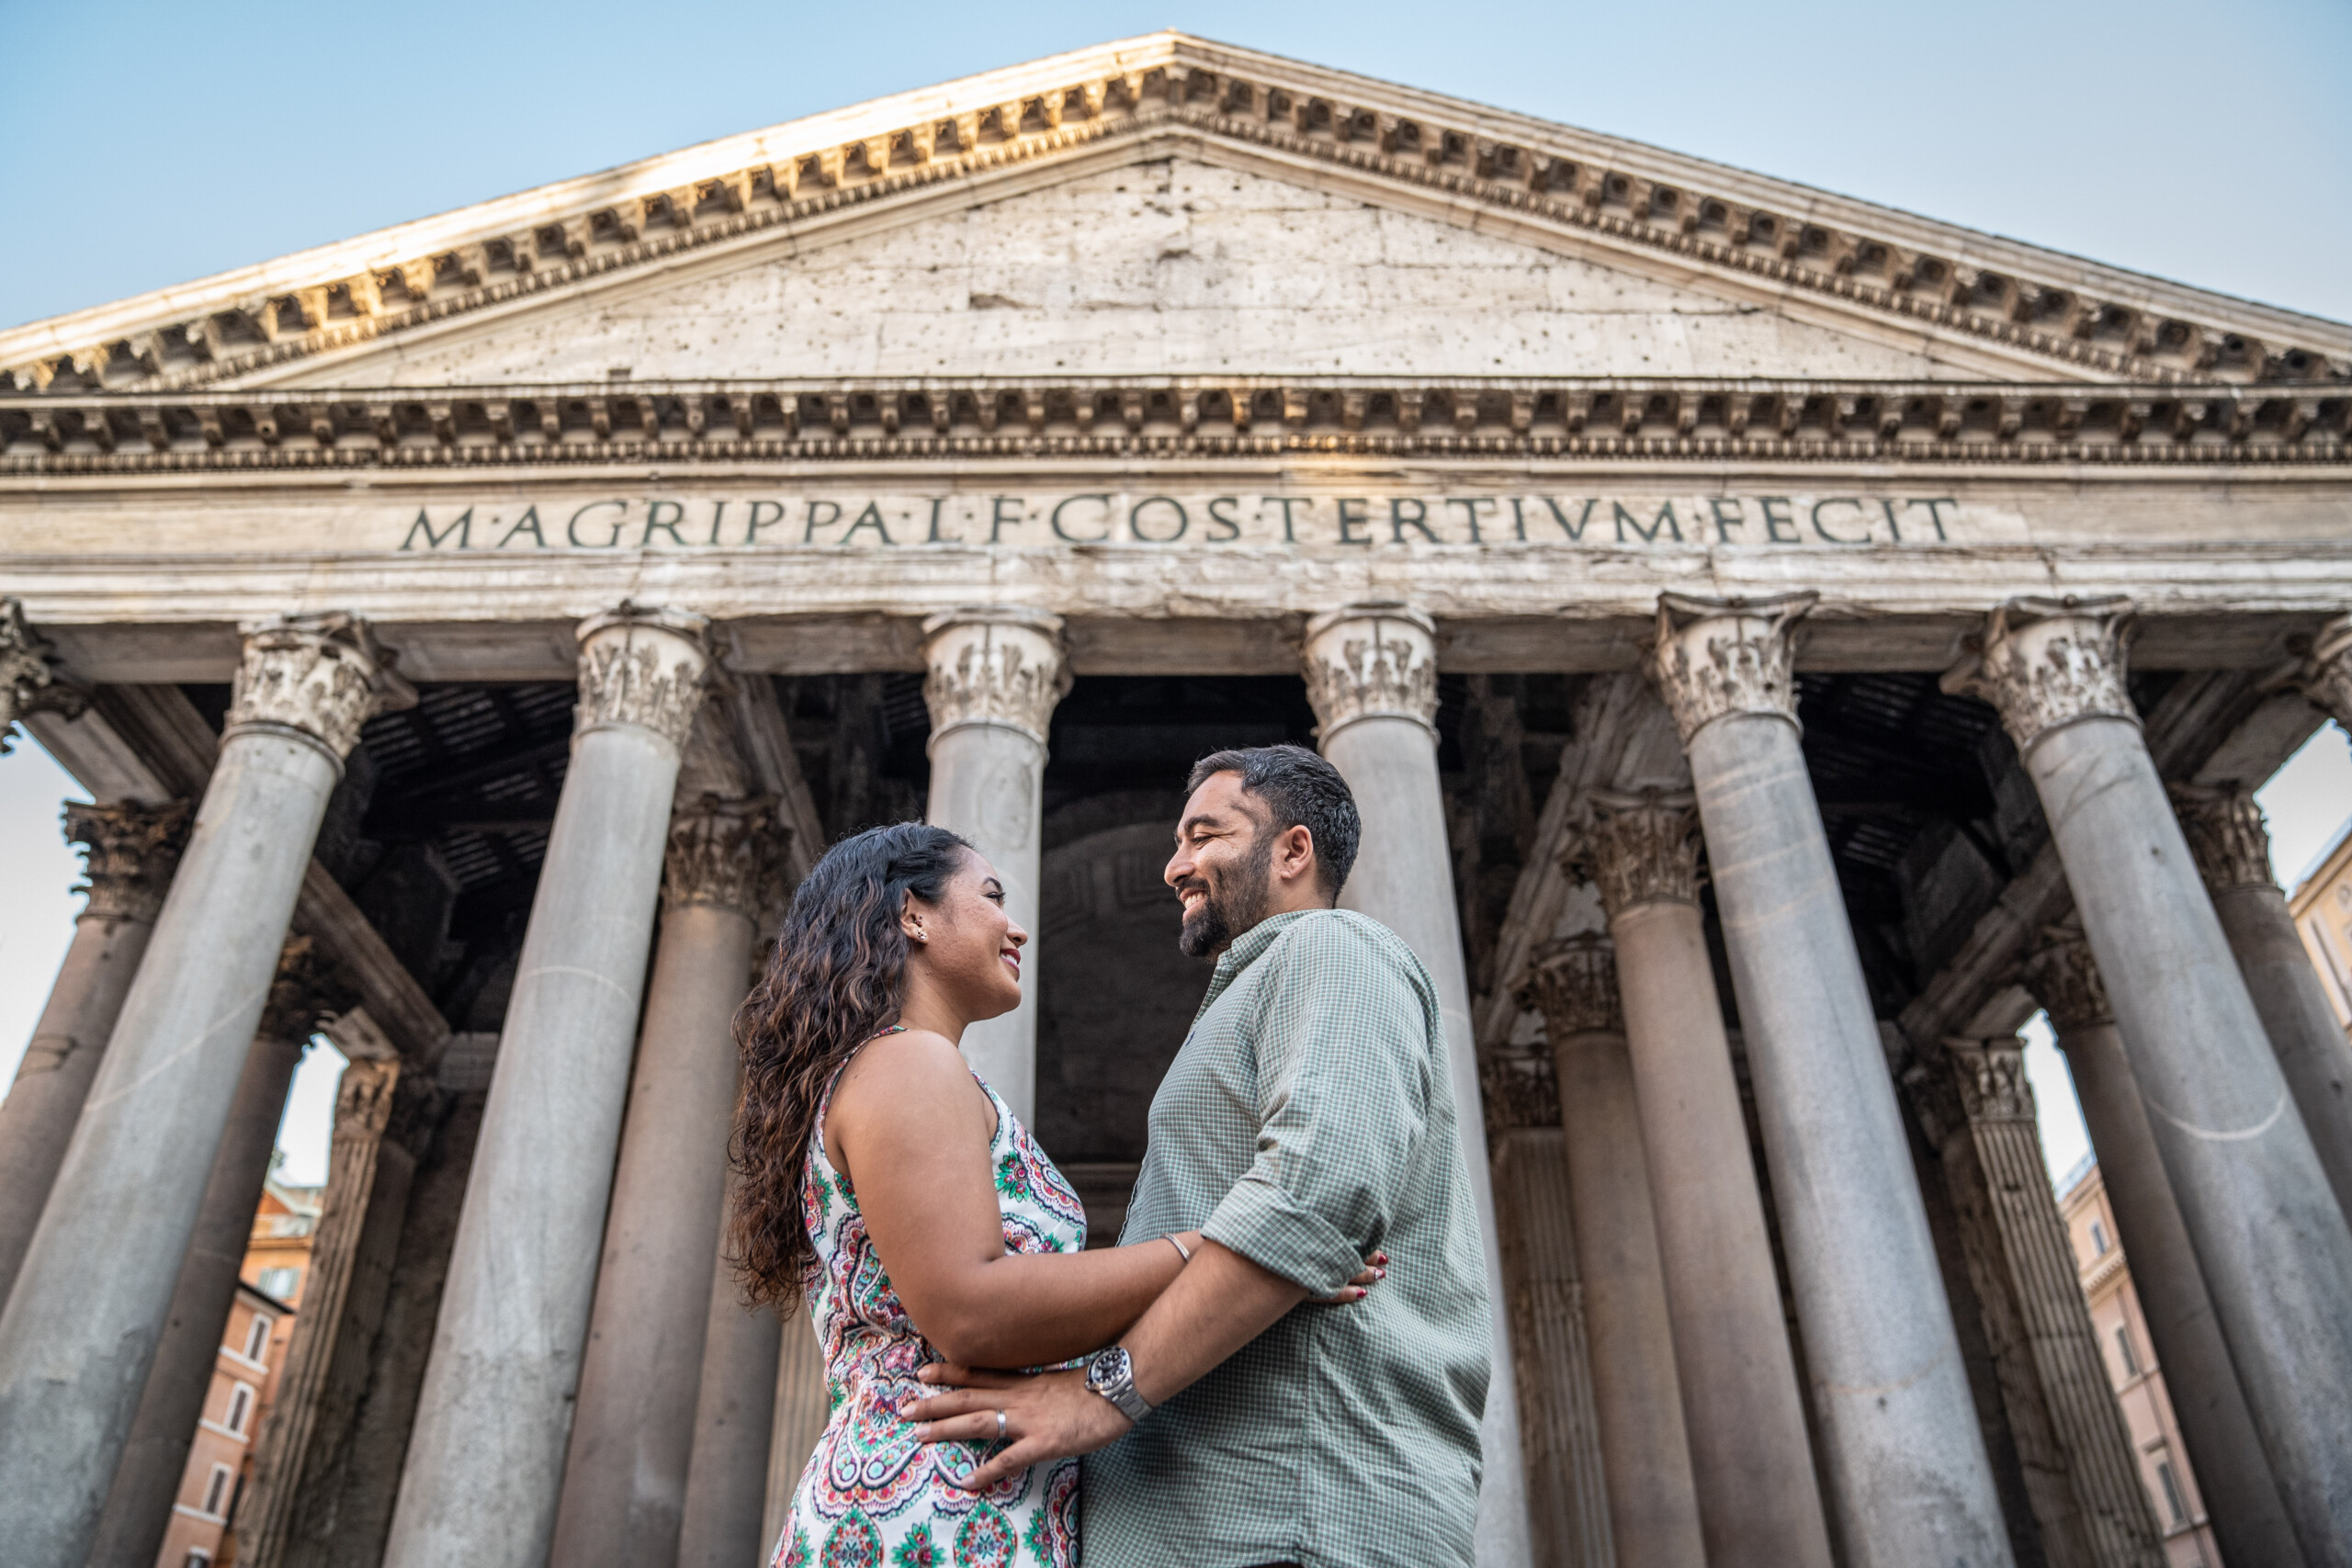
(1109, 1368)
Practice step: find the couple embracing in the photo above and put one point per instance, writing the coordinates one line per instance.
(1284, 1363)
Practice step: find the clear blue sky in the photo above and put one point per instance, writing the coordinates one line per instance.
(151, 143)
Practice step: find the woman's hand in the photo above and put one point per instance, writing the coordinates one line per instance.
(1375, 1269)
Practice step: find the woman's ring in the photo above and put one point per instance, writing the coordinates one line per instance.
(1000, 1425)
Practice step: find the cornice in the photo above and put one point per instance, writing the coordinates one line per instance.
(2060, 310)
(1143, 417)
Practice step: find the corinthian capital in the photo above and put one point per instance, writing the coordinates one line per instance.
(2325, 674)
(305, 985)
(994, 665)
(1573, 983)
(1713, 657)
(1520, 1089)
(727, 853)
(2226, 836)
(2063, 978)
(321, 676)
(1638, 849)
(1990, 1076)
(2046, 663)
(28, 681)
(129, 854)
(1371, 661)
(645, 666)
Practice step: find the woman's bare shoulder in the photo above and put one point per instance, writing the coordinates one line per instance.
(916, 1063)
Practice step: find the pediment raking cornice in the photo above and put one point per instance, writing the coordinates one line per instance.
(2088, 321)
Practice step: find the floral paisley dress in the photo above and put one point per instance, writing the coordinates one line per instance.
(872, 1496)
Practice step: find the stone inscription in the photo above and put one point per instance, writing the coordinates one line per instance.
(1110, 517)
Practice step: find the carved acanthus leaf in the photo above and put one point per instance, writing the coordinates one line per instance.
(324, 675)
(2325, 674)
(1520, 1088)
(642, 666)
(994, 665)
(307, 985)
(2065, 978)
(1638, 849)
(2226, 836)
(1990, 1076)
(1371, 661)
(1572, 982)
(727, 853)
(129, 854)
(2044, 663)
(1713, 657)
(28, 681)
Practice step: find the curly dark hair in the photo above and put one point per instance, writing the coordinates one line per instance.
(836, 979)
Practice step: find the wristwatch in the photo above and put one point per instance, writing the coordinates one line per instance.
(1111, 1374)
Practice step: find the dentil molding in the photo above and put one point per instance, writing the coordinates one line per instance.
(994, 665)
(1716, 656)
(645, 666)
(1372, 660)
(129, 854)
(2046, 663)
(322, 676)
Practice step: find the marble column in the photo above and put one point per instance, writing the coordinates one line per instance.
(485, 1459)
(727, 1474)
(1567, 1497)
(633, 1430)
(1372, 676)
(2084, 1483)
(801, 1405)
(130, 852)
(2231, 848)
(139, 1505)
(2241, 1499)
(2274, 1248)
(368, 1173)
(95, 1289)
(1908, 1478)
(1644, 1448)
(995, 674)
(1750, 1459)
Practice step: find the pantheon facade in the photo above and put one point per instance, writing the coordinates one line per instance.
(1779, 644)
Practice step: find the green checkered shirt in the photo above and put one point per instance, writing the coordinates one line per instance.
(1307, 1121)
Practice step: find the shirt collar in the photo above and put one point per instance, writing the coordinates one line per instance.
(1252, 944)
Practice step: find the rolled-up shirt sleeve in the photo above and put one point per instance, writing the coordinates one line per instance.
(1342, 1048)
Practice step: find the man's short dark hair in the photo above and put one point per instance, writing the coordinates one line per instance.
(1301, 790)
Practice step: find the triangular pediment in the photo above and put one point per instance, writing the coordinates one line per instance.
(1169, 206)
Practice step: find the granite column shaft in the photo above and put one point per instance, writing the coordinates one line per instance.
(632, 1434)
(2241, 1499)
(130, 851)
(995, 675)
(1644, 1448)
(80, 1331)
(485, 1459)
(1371, 677)
(2270, 1241)
(726, 1473)
(1908, 1478)
(1760, 1502)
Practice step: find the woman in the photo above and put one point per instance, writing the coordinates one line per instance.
(883, 1181)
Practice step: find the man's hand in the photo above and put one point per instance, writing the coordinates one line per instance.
(1049, 1416)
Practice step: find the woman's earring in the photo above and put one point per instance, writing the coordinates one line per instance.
(922, 935)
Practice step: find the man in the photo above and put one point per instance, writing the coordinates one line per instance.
(1308, 1124)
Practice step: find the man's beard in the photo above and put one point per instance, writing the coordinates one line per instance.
(1228, 909)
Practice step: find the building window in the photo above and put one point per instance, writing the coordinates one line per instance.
(2123, 1348)
(257, 1337)
(2171, 1484)
(216, 1490)
(277, 1283)
(241, 1405)
(2098, 1238)
(198, 1558)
